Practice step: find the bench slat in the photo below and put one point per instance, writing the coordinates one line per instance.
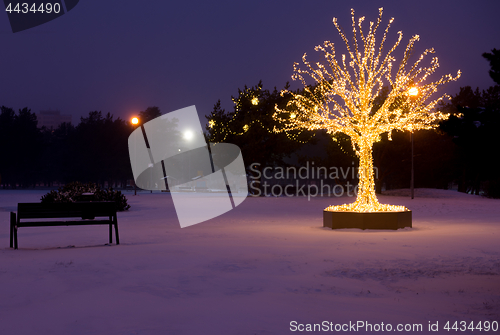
(62, 223)
(53, 215)
(65, 210)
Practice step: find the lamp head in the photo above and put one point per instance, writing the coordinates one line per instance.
(413, 91)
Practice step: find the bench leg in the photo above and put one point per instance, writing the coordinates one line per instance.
(116, 230)
(12, 223)
(15, 237)
(110, 232)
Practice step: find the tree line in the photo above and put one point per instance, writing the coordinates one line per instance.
(462, 150)
(95, 150)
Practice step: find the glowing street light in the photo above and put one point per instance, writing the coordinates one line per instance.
(135, 122)
(413, 91)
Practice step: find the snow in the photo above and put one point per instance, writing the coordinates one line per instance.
(252, 270)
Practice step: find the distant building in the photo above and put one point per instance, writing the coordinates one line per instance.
(52, 119)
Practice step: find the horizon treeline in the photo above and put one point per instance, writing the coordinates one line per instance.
(95, 150)
(461, 151)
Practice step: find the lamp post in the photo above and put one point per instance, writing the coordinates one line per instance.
(135, 122)
(412, 180)
(187, 136)
(413, 92)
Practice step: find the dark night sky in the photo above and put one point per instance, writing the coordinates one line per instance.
(121, 56)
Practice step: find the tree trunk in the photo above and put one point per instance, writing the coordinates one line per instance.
(366, 200)
(366, 188)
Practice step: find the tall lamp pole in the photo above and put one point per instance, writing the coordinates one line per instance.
(412, 180)
(413, 92)
(135, 122)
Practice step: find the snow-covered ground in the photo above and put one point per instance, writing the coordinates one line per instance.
(253, 270)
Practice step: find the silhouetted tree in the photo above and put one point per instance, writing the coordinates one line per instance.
(474, 127)
(97, 150)
(494, 59)
(149, 114)
(7, 147)
(20, 144)
(57, 155)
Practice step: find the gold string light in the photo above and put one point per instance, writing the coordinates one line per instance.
(342, 99)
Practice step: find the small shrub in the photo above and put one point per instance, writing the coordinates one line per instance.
(73, 192)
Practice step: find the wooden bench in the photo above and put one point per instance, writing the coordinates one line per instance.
(87, 211)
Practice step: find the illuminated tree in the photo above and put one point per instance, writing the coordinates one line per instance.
(344, 96)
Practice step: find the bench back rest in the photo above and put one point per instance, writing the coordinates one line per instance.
(65, 210)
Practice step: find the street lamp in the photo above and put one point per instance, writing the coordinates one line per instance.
(413, 93)
(135, 122)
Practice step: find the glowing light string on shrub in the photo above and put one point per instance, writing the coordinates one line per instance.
(223, 130)
(342, 100)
